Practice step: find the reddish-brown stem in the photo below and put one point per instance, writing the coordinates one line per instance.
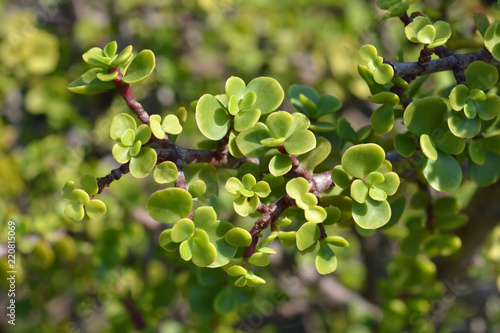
(126, 93)
(322, 231)
(114, 175)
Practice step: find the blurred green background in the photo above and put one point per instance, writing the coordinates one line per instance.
(109, 274)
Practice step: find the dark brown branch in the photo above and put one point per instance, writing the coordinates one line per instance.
(443, 64)
(114, 175)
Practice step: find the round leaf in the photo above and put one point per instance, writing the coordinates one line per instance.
(74, 211)
(371, 214)
(297, 187)
(424, 115)
(95, 208)
(245, 206)
(80, 196)
(279, 123)
(492, 39)
(140, 68)
(181, 230)
(336, 241)
(489, 108)
(166, 242)
(489, 172)
(67, 190)
(204, 217)
(360, 160)
(269, 93)
(280, 165)
(459, 96)
(171, 125)
(316, 214)
(300, 142)
(225, 301)
(405, 144)
(480, 75)
(165, 172)
(428, 147)
(235, 87)
(443, 174)
(463, 127)
(249, 141)
(307, 235)
(382, 119)
(142, 164)
(121, 122)
(169, 205)
(340, 177)
(326, 261)
(259, 259)
(211, 117)
(238, 237)
(89, 184)
(476, 152)
(246, 119)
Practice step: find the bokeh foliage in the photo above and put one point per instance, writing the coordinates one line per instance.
(93, 276)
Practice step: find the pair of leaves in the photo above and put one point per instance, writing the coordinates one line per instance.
(421, 30)
(247, 191)
(364, 169)
(382, 119)
(129, 147)
(382, 73)
(241, 106)
(80, 203)
(281, 128)
(309, 102)
(298, 189)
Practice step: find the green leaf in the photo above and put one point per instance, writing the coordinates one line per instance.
(341, 178)
(492, 39)
(383, 74)
(259, 259)
(377, 194)
(296, 90)
(480, 75)
(492, 144)
(121, 123)
(67, 190)
(89, 83)
(238, 237)
(279, 123)
(390, 184)
(397, 10)
(482, 22)
(443, 174)
(204, 252)
(185, 250)
(476, 152)
(225, 252)
(140, 68)
(205, 172)
(458, 97)
(300, 142)
(171, 125)
(297, 187)
(280, 165)
(197, 188)
(235, 87)
(328, 104)
(225, 301)
(262, 189)
(80, 196)
(121, 153)
(312, 109)
(142, 164)
(427, 34)
(204, 216)
(211, 117)
(449, 143)
(287, 238)
(386, 98)
(428, 147)
(336, 241)
(326, 261)
(248, 101)
(233, 185)
(95, 57)
(307, 235)
(269, 93)
(123, 58)
(95, 208)
(249, 141)
(165, 241)
(245, 206)
(181, 230)
(169, 205)
(443, 245)
(74, 211)
(346, 131)
(360, 160)
(368, 53)
(359, 190)
(236, 270)
(463, 127)
(105, 77)
(110, 49)
(333, 215)
(314, 157)
(165, 172)
(489, 172)
(424, 115)
(382, 119)
(316, 214)
(489, 108)
(371, 214)
(128, 137)
(246, 119)
(143, 134)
